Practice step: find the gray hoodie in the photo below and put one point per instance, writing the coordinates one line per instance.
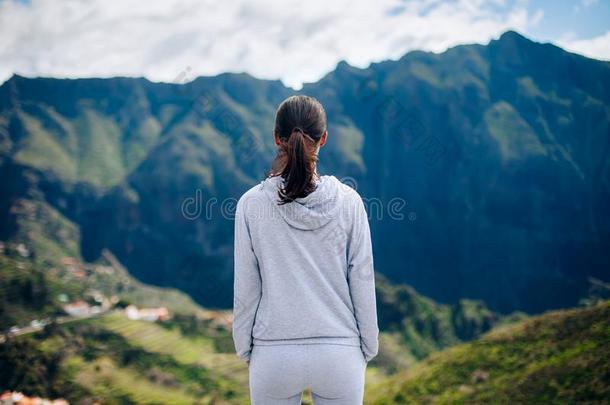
(303, 270)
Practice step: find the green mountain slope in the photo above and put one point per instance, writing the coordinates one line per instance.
(557, 358)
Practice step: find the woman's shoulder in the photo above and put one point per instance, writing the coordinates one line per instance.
(346, 188)
(257, 195)
(253, 192)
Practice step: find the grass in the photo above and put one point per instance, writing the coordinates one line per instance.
(560, 357)
(157, 339)
(100, 149)
(45, 149)
(104, 377)
(185, 358)
(515, 138)
(48, 234)
(186, 350)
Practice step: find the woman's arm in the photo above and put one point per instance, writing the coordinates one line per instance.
(247, 286)
(361, 279)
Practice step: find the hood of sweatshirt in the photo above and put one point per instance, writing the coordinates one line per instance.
(313, 211)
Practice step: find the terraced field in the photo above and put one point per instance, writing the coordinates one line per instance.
(104, 378)
(187, 350)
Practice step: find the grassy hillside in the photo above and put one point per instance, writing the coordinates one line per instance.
(115, 360)
(557, 358)
(560, 357)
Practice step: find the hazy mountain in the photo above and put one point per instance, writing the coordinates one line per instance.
(501, 152)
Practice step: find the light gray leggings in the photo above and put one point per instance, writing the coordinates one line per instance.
(333, 372)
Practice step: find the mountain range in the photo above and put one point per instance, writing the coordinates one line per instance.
(485, 170)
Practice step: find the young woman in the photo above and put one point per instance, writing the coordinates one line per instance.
(304, 304)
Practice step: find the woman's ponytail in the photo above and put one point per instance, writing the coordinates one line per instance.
(300, 123)
(298, 172)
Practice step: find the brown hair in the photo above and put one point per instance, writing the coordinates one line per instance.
(300, 122)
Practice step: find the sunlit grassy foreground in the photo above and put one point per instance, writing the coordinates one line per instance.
(557, 358)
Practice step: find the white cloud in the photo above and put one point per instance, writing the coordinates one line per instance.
(296, 41)
(597, 47)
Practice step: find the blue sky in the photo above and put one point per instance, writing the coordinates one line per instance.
(293, 40)
(574, 18)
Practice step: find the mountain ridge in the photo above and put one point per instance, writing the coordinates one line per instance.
(506, 35)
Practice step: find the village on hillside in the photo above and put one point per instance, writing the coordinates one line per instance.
(92, 303)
